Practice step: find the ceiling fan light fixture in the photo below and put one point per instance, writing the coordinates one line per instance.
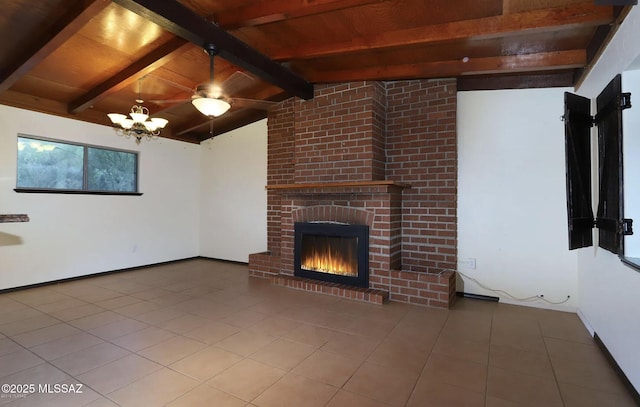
(211, 107)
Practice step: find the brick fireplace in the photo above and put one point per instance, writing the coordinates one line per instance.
(380, 154)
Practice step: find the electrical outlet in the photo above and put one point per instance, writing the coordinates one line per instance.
(469, 263)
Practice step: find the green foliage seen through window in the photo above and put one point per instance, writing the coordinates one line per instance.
(54, 165)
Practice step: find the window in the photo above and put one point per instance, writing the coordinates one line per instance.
(54, 166)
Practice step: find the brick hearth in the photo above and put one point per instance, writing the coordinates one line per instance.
(339, 290)
(376, 154)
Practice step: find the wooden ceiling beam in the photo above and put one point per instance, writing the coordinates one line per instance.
(66, 26)
(600, 40)
(148, 63)
(183, 22)
(474, 66)
(266, 12)
(536, 21)
(528, 80)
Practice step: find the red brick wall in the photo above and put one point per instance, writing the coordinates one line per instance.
(422, 151)
(280, 165)
(334, 134)
(379, 130)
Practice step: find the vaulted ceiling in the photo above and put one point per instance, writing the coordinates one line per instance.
(86, 58)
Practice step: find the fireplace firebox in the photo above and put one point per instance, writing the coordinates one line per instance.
(332, 252)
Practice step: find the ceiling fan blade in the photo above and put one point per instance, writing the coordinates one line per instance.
(236, 82)
(172, 83)
(253, 103)
(169, 101)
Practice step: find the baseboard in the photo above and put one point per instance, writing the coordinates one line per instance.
(243, 263)
(477, 296)
(585, 322)
(102, 273)
(618, 370)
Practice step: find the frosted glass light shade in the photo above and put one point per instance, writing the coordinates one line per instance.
(159, 122)
(211, 107)
(126, 123)
(138, 117)
(116, 118)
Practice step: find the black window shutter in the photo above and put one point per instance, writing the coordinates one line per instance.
(577, 128)
(609, 121)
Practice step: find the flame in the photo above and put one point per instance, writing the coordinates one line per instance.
(324, 258)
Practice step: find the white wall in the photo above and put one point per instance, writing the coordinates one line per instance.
(73, 235)
(609, 304)
(233, 217)
(512, 215)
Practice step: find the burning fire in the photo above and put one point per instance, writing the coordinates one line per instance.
(330, 254)
(328, 262)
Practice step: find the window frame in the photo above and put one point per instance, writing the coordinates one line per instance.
(628, 177)
(85, 165)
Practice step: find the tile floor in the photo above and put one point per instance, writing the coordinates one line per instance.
(201, 333)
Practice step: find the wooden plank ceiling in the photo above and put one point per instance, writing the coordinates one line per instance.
(84, 59)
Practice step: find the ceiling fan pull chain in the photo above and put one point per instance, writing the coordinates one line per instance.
(211, 68)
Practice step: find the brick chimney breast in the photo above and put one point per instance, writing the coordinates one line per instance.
(339, 134)
(381, 151)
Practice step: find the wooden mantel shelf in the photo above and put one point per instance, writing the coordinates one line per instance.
(14, 218)
(350, 184)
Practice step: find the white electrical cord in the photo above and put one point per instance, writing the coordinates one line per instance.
(525, 299)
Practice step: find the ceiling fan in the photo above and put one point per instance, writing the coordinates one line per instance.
(212, 100)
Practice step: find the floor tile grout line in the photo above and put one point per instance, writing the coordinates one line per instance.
(553, 369)
(559, 382)
(424, 366)
(486, 384)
